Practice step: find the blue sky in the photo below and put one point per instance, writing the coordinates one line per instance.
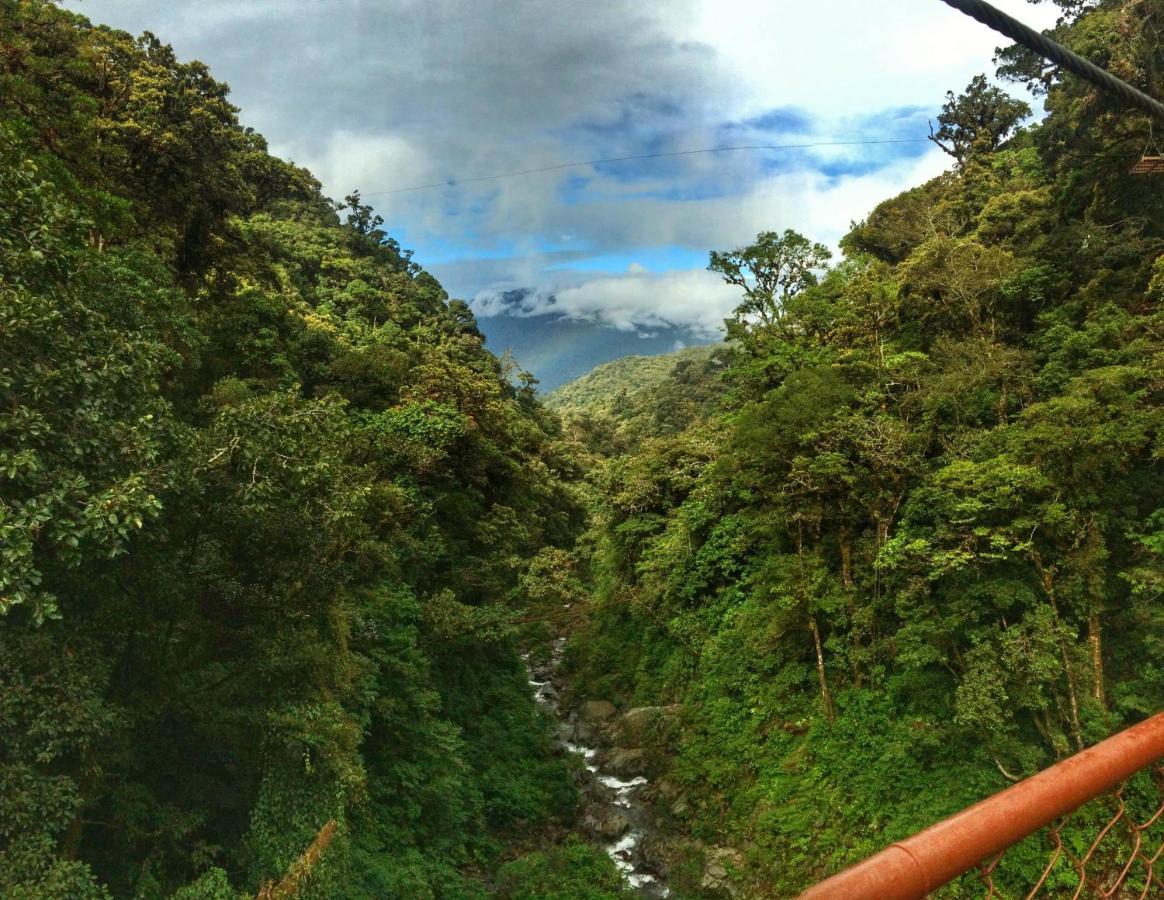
(389, 94)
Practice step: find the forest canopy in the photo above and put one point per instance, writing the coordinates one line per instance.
(260, 487)
(914, 555)
(275, 526)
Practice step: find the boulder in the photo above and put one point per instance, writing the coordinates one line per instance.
(667, 790)
(605, 822)
(597, 712)
(601, 792)
(662, 853)
(584, 733)
(722, 865)
(649, 725)
(624, 762)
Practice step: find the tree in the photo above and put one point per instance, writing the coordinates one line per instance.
(771, 271)
(262, 495)
(977, 121)
(82, 424)
(925, 558)
(361, 218)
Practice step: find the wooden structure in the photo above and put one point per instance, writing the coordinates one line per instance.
(1149, 165)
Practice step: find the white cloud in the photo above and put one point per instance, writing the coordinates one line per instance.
(695, 298)
(839, 57)
(395, 93)
(350, 160)
(692, 299)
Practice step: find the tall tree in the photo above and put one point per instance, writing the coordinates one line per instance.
(770, 271)
(977, 121)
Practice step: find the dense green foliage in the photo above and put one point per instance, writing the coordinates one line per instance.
(917, 552)
(272, 519)
(572, 871)
(614, 408)
(266, 510)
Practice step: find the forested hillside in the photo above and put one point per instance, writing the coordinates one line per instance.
(279, 536)
(615, 386)
(615, 406)
(266, 506)
(916, 556)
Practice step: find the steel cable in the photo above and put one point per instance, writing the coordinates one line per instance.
(557, 167)
(1055, 52)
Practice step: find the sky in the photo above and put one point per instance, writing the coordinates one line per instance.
(384, 95)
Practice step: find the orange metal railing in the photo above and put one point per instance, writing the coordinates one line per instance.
(979, 835)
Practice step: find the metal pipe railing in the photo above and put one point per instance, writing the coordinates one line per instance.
(914, 867)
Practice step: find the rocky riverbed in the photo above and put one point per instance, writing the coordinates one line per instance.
(615, 787)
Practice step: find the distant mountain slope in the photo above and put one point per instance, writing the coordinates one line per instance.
(557, 350)
(620, 403)
(606, 386)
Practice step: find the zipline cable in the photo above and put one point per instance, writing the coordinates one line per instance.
(455, 182)
(1056, 53)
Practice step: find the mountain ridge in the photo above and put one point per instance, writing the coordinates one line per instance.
(602, 384)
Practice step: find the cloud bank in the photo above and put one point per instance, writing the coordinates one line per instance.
(391, 94)
(690, 298)
(637, 301)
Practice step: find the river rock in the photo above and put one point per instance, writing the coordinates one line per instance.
(584, 733)
(662, 853)
(601, 792)
(644, 725)
(666, 790)
(721, 863)
(605, 822)
(549, 694)
(625, 763)
(597, 712)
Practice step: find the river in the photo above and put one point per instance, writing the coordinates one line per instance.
(607, 797)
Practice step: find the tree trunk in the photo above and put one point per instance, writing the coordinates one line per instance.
(1097, 554)
(826, 699)
(846, 542)
(1094, 638)
(1048, 579)
(846, 557)
(1044, 729)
